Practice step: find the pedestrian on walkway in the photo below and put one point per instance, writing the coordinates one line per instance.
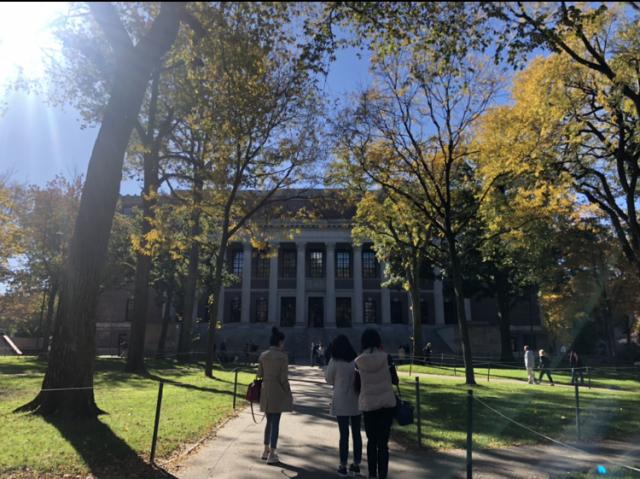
(344, 402)
(545, 367)
(530, 364)
(427, 353)
(576, 368)
(275, 396)
(376, 374)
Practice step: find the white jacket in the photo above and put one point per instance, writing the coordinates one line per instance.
(340, 374)
(376, 390)
(529, 360)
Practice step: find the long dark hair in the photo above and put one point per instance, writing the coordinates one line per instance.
(341, 349)
(370, 339)
(276, 336)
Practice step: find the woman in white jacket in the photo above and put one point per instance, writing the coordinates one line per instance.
(344, 403)
(377, 401)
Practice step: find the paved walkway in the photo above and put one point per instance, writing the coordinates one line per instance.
(308, 448)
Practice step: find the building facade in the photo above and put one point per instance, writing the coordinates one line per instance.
(314, 282)
(318, 283)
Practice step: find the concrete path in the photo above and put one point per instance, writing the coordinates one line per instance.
(308, 448)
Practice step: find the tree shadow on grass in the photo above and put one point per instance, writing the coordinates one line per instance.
(106, 455)
(188, 386)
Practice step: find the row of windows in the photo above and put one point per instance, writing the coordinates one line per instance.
(315, 311)
(315, 267)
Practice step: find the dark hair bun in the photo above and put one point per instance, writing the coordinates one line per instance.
(276, 337)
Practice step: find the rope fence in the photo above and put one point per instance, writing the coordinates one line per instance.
(495, 411)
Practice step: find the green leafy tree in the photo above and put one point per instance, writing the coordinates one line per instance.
(72, 354)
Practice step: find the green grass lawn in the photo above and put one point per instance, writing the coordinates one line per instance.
(192, 406)
(605, 413)
(627, 379)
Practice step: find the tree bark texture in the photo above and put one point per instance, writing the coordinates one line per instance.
(67, 388)
(456, 273)
(192, 274)
(51, 305)
(504, 320)
(213, 308)
(416, 310)
(166, 319)
(135, 356)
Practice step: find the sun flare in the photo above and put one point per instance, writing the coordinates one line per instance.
(25, 36)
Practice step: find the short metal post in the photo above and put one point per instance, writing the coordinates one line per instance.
(577, 411)
(488, 371)
(411, 364)
(589, 376)
(235, 387)
(441, 359)
(454, 370)
(156, 423)
(469, 433)
(418, 421)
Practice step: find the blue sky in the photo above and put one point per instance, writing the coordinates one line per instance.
(40, 141)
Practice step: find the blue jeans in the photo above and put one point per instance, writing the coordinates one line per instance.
(343, 426)
(272, 429)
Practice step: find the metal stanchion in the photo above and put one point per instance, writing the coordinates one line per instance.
(418, 422)
(156, 423)
(488, 371)
(469, 433)
(235, 387)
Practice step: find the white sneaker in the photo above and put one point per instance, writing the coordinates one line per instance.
(273, 458)
(265, 455)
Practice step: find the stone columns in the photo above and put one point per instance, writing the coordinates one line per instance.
(330, 295)
(273, 284)
(246, 283)
(385, 295)
(357, 285)
(301, 279)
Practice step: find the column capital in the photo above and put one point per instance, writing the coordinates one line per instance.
(330, 244)
(301, 243)
(246, 246)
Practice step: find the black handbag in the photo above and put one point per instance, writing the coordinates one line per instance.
(404, 410)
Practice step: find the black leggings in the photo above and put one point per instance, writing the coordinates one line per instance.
(377, 425)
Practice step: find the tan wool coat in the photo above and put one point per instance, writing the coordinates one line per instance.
(273, 368)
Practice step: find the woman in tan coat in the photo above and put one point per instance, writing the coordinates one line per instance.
(275, 395)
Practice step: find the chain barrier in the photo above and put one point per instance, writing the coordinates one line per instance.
(555, 441)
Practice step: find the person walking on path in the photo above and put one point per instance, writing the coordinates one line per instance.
(376, 374)
(344, 402)
(275, 395)
(427, 353)
(530, 364)
(576, 368)
(545, 367)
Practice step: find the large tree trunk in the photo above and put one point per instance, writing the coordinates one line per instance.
(504, 320)
(213, 307)
(166, 319)
(51, 305)
(190, 289)
(416, 310)
(135, 356)
(456, 274)
(68, 382)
